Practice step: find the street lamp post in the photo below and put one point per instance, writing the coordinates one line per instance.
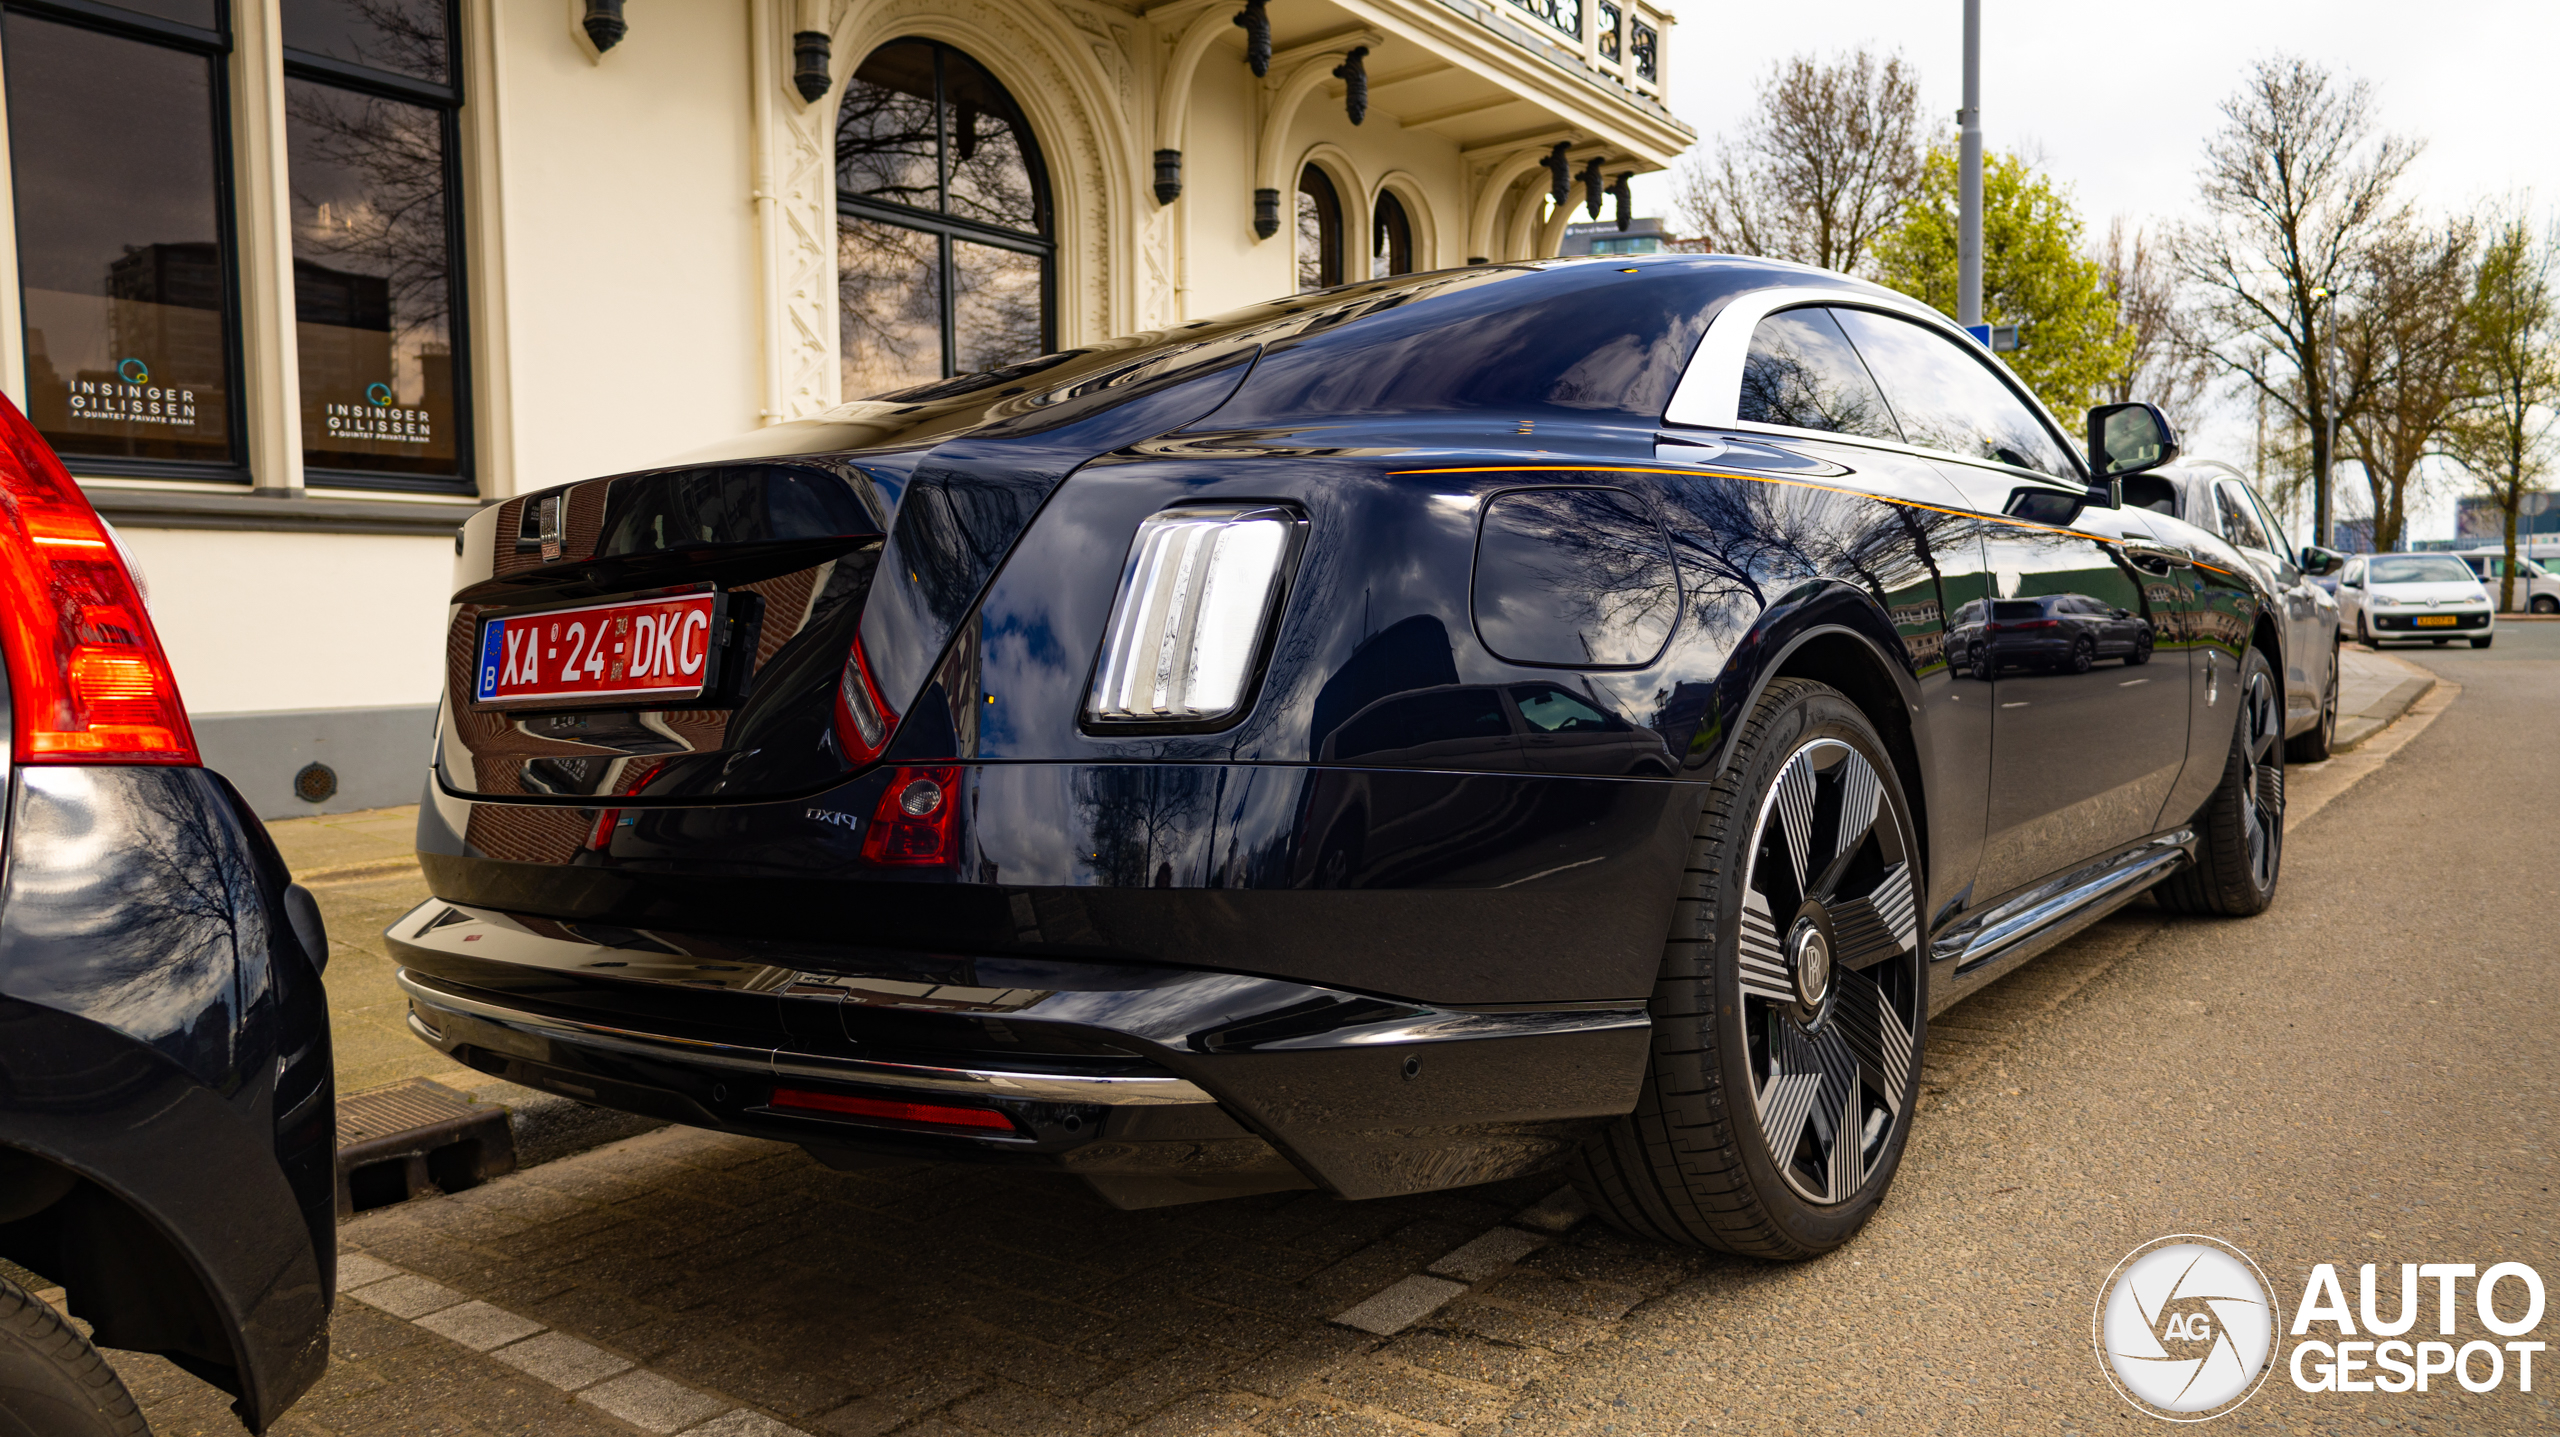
(1969, 175)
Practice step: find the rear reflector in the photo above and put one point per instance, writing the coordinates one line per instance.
(936, 1114)
(913, 824)
(88, 681)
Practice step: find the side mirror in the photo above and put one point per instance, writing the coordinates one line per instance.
(2317, 561)
(2045, 506)
(2128, 439)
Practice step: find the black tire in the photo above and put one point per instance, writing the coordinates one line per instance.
(1984, 667)
(2545, 604)
(2240, 829)
(2364, 635)
(2141, 651)
(2313, 746)
(2440, 643)
(52, 1382)
(1706, 1159)
(2084, 652)
(2483, 641)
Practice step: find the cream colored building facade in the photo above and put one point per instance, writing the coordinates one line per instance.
(646, 259)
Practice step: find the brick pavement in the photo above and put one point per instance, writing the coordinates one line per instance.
(752, 1292)
(930, 1300)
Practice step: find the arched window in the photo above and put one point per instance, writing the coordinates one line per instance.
(1319, 231)
(1390, 238)
(944, 254)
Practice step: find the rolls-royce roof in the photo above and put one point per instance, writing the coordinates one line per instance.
(1590, 338)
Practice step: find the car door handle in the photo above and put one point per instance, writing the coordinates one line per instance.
(2143, 551)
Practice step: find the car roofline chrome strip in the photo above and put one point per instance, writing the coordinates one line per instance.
(773, 1063)
(1709, 393)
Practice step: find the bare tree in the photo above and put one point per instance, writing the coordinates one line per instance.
(1823, 169)
(2403, 352)
(2300, 189)
(2163, 367)
(2505, 437)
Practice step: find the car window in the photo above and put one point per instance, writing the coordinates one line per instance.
(1549, 709)
(2017, 609)
(2277, 541)
(2238, 524)
(2533, 570)
(2420, 569)
(2353, 578)
(1950, 400)
(1802, 373)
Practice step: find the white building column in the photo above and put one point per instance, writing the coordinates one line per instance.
(270, 372)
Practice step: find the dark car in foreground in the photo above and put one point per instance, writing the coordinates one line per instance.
(166, 1100)
(1409, 735)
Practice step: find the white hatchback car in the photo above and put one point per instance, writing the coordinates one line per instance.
(2391, 598)
(2537, 588)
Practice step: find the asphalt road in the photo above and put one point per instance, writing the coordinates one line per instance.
(2366, 1073)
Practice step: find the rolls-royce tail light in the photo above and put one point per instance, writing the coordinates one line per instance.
(1195, 598)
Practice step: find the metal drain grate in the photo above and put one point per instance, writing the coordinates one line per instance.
(415, 1136)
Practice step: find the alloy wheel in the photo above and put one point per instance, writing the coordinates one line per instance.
(2262, 800)
(1830, 955)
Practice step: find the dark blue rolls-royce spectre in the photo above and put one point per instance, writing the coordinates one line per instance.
(1403, 736)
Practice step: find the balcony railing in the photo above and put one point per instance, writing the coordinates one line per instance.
(1622, 39)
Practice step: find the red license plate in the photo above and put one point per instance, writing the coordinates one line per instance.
(662, 650)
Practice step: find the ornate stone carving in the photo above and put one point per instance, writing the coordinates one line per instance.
(1082, 111)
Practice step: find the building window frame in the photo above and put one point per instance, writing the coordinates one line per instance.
(948, 228)
(446, 99)
(214, 45)
(1393, 242)
(1318, 202)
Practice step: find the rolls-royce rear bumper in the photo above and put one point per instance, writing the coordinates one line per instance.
(1157, 1084)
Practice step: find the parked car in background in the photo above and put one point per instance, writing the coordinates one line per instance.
(167, 1105)
(2537, 588)
(2435, 598)
(2052, 631)
(1245, 758)
(2211, 495)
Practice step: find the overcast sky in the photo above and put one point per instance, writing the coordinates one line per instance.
(2118, 100)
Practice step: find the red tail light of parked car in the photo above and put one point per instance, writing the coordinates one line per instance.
(88, 681)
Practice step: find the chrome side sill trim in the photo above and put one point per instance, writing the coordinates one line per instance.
(770, 1063)
(1977, 941)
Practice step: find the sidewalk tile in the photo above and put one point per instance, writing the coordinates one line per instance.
(562, 1360)
(410, 1297)
(479, 1326)
(652, 1403)
(1400, 1306)
(1488, 1254)
(743, 1423)
(356, 1270)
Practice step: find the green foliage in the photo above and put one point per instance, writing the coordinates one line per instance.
(2034, 275)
